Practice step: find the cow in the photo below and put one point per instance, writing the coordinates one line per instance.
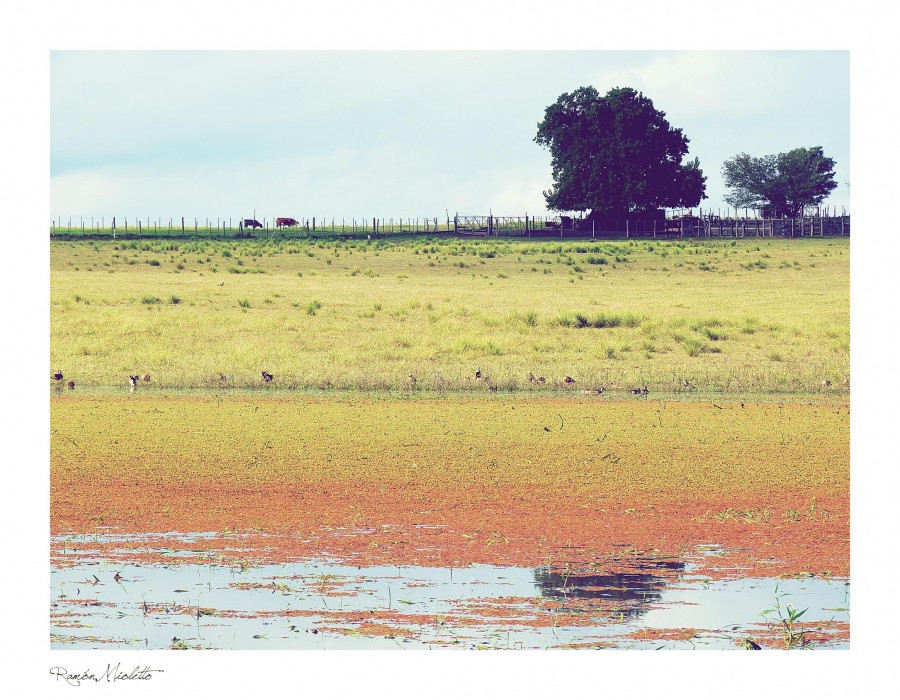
(252, 223)
(282, 221)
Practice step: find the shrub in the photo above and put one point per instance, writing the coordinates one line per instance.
(147, 299)
(312, 307)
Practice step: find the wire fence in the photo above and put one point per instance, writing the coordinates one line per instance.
(476, 225)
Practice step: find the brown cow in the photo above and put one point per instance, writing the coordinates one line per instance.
(286, 221)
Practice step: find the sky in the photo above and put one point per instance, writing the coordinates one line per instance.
(388, 134)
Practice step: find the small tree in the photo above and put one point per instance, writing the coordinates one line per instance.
(616, 154)
(779, 185)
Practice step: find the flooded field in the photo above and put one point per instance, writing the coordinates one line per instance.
(639, 601)
(361, 522)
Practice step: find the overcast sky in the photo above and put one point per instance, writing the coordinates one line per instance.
(390, 134)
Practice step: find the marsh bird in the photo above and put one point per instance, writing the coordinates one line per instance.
(146, 377)
(133, 379)
(569, 380)
(70, 385)
(598, 392)
(267, 377)
(826, 382)
(478, 373)
(531, 378)
(58, 376)
(412, 380)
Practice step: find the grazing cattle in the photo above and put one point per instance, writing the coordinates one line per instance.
(58, 376)
(282, 221)
(267, 377)
(252, 223)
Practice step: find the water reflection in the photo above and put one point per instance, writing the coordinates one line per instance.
(637, 585)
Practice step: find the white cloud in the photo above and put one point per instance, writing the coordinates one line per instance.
(737, 84)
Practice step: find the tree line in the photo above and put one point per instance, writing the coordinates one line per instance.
(616, 156)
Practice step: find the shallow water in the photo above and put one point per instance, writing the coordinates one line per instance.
(320, 604)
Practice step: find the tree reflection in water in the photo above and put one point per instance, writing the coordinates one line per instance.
(639, 583)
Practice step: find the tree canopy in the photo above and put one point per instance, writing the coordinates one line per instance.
(615, 155)
(782, 184)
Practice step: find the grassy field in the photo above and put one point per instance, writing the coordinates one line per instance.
(499, 480)
(745, 316)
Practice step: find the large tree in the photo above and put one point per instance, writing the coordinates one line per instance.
(782, 184)
(616, 154)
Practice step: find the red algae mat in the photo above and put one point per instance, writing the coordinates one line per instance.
(448, 482)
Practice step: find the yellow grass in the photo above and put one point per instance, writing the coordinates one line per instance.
(390, 310)
(584, 445)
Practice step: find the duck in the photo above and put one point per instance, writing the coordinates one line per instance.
(58, 376)
(70, 385)
(267, 377)
(569, 380)
(478, 373)
(133, 379)
(146, 377)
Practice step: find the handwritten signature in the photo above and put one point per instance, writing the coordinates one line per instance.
(111, 674)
